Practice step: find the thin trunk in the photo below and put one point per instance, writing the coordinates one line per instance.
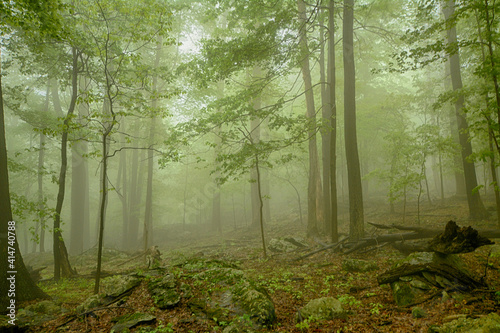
(148, 214)
(61, 261)
(133, 199)
(124, 195)
(333, 123)
(325, 132)
(356, 215)
(312, 229)
(40, 225)
(477, 210)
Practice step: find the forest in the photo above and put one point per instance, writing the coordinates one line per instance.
(249, 166)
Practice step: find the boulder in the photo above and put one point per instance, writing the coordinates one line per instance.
(38, 313)
(230, 295)
(124, 323)
(164, 292)
(117, 285)
(358, 265)
(325, 308)
(486, 324)
(287, 244)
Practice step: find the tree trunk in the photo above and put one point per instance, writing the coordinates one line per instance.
(79, 188)
(325, 131)
(61, 261)
(333, 123)
(40, 225)
(356, 216)
(255, 138)
(477, 210)
(148, 214)
(25, 288)
(134, 201)
(312, 228)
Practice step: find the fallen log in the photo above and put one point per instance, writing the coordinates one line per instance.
(460, 280)
(416, 233)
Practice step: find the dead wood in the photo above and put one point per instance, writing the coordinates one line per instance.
(457, 240)
(417, 233)
(459, 279)
(331, 246)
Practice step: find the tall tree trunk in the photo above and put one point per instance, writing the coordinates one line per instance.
(458, 169)
(61, 261)
(148, 214)
(124, 195)
(476, 207)
(134, 201)
(11, 261)
(312, 228)
(356, 216)
(79, 188)
(255, 130)
(333, 122)
(216, 202)
(40, 225)
(326, 112)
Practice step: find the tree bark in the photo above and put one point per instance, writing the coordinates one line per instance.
(477, 210)
(326, 112)
(332, 105)
(25, 288)
(148, 213)
(356, 215)
(312, 228)
(61, 261)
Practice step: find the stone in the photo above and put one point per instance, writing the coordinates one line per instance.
(418, 312)
(486, 324)
(164, 292)
(358, 265)
(325, 308)
(286, 244)
(90, 303)
(117, 285)
(231, 296)
(124, 323)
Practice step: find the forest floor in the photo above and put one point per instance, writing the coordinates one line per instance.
(290, 283)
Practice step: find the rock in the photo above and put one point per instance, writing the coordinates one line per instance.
(358, 265)
(230, 296)
(90, 303)
(124, 323)
(486, 324)
(117, 285)
(281, 246)
(418, 312)
(163, 290)
(325, 308)
(38, 313)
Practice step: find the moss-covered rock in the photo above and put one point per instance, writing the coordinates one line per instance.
(90, 303)
(117, 285)
(325, 308)
(358, 265)
(229, 295)
(164, 292)
(124, 323)
(486, 324)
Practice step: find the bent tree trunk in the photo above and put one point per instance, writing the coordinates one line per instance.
(61, 261)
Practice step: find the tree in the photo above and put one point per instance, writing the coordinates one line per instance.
(477, 210)
(312, 229)
(356, 216)
(21, 14)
